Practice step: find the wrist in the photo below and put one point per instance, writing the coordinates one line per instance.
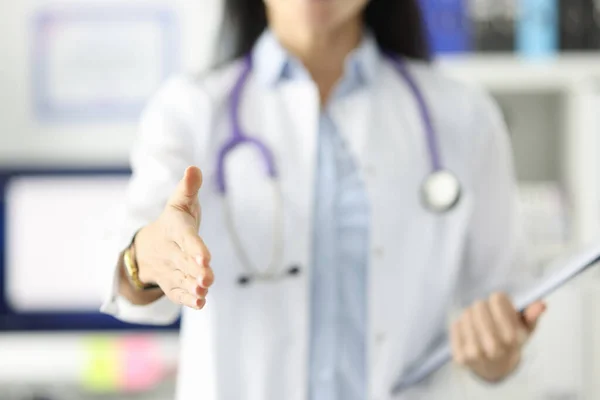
(143, 274)
(132, 293)
(140, 277)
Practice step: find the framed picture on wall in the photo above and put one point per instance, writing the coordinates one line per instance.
(99, 63)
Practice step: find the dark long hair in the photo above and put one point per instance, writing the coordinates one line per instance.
(397, 25)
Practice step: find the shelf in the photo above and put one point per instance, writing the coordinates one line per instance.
(512, 73)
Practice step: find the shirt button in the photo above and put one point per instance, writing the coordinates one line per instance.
(378, 251)
(380, 338)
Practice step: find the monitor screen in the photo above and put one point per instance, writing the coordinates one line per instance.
(53, 248)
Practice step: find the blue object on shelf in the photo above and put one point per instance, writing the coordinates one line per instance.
(447, 25)
(538, 28)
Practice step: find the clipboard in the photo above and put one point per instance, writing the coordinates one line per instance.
(562, 271)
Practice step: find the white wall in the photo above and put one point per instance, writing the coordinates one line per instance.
(26, 140)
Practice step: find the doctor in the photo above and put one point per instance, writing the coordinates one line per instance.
(345, 196)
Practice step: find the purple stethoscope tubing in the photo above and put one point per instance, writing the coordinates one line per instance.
(238, 137)
(430, 131)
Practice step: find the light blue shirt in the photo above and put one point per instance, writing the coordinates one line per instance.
(341, 219)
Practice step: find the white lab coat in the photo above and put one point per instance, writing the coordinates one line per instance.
(252, 343)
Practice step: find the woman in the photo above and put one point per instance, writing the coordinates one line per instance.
(367, 268)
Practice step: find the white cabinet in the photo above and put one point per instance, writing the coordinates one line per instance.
(552, 110)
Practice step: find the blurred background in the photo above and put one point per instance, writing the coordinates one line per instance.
(74, 76)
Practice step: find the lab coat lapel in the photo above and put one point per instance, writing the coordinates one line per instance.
(415, 254)
(291, 112)
(290, 115)
(400, 234)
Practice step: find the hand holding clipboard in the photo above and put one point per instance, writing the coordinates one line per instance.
(562, 271)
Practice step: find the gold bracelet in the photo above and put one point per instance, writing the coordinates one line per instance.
(133, 272)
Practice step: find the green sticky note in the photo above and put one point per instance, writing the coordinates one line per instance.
(101, 372)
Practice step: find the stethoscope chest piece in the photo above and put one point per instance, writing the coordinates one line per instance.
(441, 191)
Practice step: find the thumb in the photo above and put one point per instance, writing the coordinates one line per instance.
(532, 314)
(186, 193)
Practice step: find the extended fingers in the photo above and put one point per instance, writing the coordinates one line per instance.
(193, 258)
(181, 296)
(187, 281)
(190, 264)
(206, 278)
(180, 280)
(185, 290)
(194, 247)
(192, 244)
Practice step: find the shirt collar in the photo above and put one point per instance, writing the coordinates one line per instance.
(273, 64)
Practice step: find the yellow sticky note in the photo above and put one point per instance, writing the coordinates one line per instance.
(101, 371)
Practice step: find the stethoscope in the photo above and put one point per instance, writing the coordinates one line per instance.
(440, 191)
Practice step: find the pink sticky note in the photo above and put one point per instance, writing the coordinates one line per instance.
(142, 367)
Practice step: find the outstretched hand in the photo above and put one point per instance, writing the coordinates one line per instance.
(170, 251)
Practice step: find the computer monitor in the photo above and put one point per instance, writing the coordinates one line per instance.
(53, 226)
